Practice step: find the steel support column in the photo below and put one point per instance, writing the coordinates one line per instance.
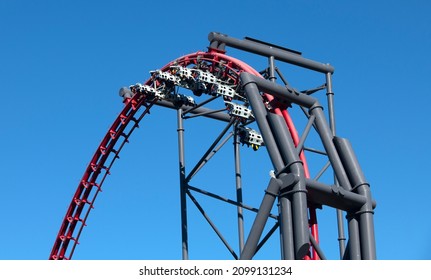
(331, 114)
(238, 184)
(183, 186)
(251, 82)
(260, 114)
(295, 194)
(361, 186)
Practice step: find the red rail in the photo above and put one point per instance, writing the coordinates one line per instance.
(118, 135)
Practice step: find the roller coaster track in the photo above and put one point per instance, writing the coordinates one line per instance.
(212, 74)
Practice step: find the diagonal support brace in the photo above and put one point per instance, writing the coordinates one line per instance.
(262, 216)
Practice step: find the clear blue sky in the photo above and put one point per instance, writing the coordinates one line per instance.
(62, 63)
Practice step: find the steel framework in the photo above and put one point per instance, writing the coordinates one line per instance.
(248, 98)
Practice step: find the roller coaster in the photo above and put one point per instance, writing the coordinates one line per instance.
(254, 106)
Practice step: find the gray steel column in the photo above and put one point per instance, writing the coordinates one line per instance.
(271, 74)
(238, 183)
(315, 108)
(353, 250)
(183, 187)
(341, 235)
(324, 132)
(341, 176)
(284, 202)
(361, 186)
(330, 97)
(296, 193)
(285, 219)
(331, 109)
(273, 189)
(260, 114)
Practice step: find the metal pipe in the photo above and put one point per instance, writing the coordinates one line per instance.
(325, 135)
(238, 184)
(361, 186)
(324, 168)
(267, 236)
(286, 229)
(210, 149)
(201, 110)
(230, 201)
(341, 177)
(208, 157)
(330, 98)
(269, 50)
(296, 194)
(334, 196)
(207, 218)
(183, 186)
(283, 92)
(191, 109)
(341, 234)
(204, 114)
(354, 244)
(261, 219)
(314, 109)
(271, 74)
(317, 248)
(305, 134)
(284, 204)
(261, 114)
(331, 110)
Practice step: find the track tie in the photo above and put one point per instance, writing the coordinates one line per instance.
(56, 257)
(123, 119)
(80, 201)
(113, 134)
(94, 167)
(134, 103)
(71, 219)
(87, 185)
(64, 238)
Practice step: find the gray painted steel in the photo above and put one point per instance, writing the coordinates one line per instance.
(253, 84)
(261, 219)
(361, 186)
(340, 221)
(260, 114)
(183, 187)
(350, 191)
(314, 109)
(217, 39)
(296, 193)
(238, 184)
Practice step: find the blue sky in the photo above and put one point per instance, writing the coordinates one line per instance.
(63, 62)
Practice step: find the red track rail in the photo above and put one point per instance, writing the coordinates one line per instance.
(117, 136)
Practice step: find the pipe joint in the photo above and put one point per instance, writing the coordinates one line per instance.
(315, 106)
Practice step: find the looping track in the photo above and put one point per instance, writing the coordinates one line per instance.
(137, 106)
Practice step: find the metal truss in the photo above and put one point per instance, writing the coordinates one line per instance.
(253, 107)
